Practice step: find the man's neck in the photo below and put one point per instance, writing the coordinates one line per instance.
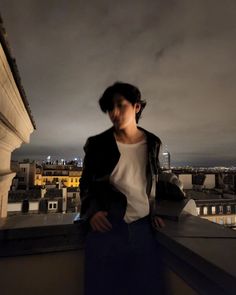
(129, 135)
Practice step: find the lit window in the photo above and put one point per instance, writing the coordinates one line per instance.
(228, 209)
(198, 210)
(220, 209)
(213, 210)
(205, 210)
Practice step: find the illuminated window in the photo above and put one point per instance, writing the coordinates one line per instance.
(198, 210)
(220, 209)
(213, 210)
(228, 209)
(205, 210)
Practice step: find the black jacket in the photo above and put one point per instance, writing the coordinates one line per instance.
(101, 157)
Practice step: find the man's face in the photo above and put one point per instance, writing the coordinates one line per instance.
(123, 113)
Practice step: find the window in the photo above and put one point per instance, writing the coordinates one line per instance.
(213, 210)
(205, 210)
(220, 209)
(228, 209)
(72, 179)
(52, 205)
(198, 210)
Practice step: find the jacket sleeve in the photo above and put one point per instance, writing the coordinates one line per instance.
(89, 204)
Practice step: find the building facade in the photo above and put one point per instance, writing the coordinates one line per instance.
(16, 122)
(57, 175)
(221, 211)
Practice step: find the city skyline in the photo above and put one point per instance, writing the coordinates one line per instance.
(179, 53)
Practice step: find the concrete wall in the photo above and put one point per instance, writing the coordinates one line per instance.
(60, 273)
(56, 273)
(16, 207)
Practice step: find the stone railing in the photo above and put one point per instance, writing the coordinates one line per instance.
(199, 258)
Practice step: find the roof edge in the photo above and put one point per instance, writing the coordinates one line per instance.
(15, 72)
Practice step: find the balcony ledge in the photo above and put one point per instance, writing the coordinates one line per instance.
(201, 253)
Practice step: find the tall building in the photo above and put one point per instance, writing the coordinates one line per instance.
(165, 159)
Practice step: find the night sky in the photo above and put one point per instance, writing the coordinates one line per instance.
(181, 54)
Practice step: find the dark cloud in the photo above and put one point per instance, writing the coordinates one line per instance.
(180, 53)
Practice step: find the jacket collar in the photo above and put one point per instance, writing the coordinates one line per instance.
(153, 146)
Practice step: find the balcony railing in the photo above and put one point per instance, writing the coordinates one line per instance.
(199, 257)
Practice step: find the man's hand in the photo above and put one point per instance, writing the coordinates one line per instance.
(158, 222)
(99, 222)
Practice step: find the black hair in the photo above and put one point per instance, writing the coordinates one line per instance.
(130, 92)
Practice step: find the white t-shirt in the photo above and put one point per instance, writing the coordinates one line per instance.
(129, 177)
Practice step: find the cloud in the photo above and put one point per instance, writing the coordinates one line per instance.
(181, 54)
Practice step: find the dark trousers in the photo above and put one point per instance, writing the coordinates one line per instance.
(123, 261)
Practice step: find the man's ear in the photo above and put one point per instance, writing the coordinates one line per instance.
(137, 107)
